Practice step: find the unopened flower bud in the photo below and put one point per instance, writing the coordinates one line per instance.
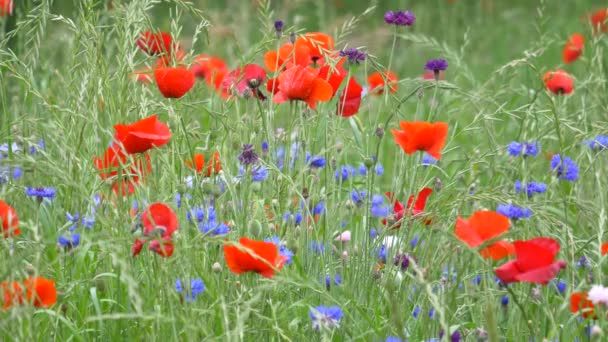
(217, 267)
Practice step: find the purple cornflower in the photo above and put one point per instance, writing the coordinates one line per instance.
(278, 27)
(436, 65)
(599, 143)
(326, 317)
(530, 188)
(40, 193)
(525, 148)
(402, 260)
(354, 55)
(513, 212)
(248, 156)
(197, 286)
(566, 169)
(69, 242)
(399, 18)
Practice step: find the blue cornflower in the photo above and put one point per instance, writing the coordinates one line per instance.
(38, 147)
(416, 311)
(599, 143)
(477, 280)
(377, 200)
(358, 197)
(531, 188)
(315, 161)
(362, 170)
(432, 313)
(393, 339)
(403, 260)
(373, 233)
(319, 208)
(428, 160)
(379, 169)
(326, 317)
(583, 262)
(197, 214)
(70, 242)
(337, 281)
(566, 169)
(513, 211)
(525, 148)
(206, 220)
(40, 193)
(382, 253)
(414, 241)
(296, 218)
(560, 285)
(264, 146)
(197, 286)
(14, 148)
(213, 228)
(278, 27)
(317, 247)
(379, 210)
(7, 172)
(504, 301)
(344, 172)
(258, 173)
(283, 250)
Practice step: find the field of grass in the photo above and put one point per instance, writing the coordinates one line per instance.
(68, 76)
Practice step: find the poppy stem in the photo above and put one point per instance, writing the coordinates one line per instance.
(521, 308)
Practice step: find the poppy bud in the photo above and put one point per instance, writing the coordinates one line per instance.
(256, 187)
(536, 294)
(30, 270)
(596, 331)
(339, 146)
(292, 37)
(216, 268)
(237, 284)
(255, 228)
(379, 131)
(350, 204)
(438, 184)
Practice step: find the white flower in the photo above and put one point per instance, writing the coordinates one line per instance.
(598, 295)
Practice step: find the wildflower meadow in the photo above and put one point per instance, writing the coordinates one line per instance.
(303, 170)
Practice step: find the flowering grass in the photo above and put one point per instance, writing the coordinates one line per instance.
(291, 202)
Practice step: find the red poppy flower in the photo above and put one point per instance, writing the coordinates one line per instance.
(245, 80)
(155, 43)
(333, 76)
(40, 291)
(12, 294)
(159, 218)
(143, 75)
(253, 256)
(318, 44)
(350, 100)
(174, 82)
(287, 56)
(605, 248)
(378, 80)
(573, 48)
(422, 136)
(534, 262)
(299, 83)
(415, 206)
(204, 66)
(9, 219)
(580, 303)
(115, 159)
(6, 7)
(167, 60)
(598, 20)
(559, 82)
(214, 166)
(484, 226)
(125, 187)
(142, 135)
(162, 247)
